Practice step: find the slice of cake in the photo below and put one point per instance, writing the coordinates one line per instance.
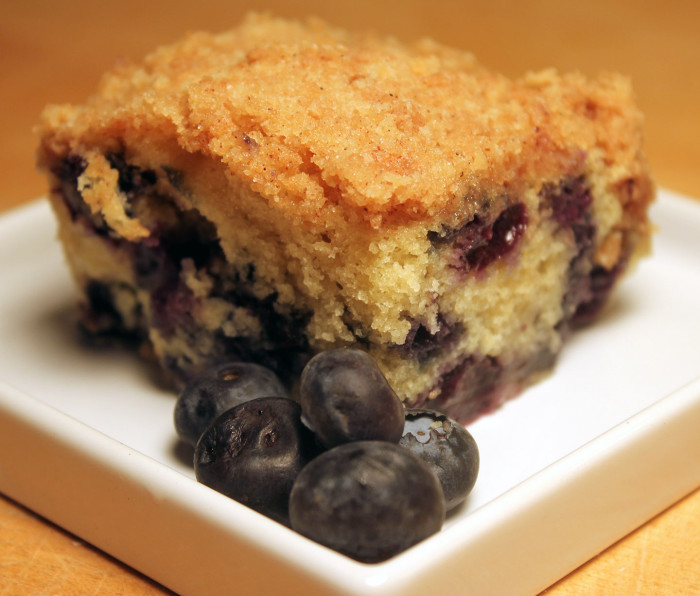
(284, 188)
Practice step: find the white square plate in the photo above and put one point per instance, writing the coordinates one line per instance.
(573, 464)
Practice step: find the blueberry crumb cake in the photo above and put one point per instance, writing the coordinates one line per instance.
(284, 187)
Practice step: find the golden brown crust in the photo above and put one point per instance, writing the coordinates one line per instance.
(329, 125)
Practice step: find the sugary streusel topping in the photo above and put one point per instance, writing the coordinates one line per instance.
(335, 127)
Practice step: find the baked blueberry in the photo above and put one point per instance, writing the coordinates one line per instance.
(480, 242)
(345, 397)
(253, 453)
(218, 389)
(447, 447)
(369, 500)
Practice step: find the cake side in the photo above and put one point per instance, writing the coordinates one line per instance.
(269, 199)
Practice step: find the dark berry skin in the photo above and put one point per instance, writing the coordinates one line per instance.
(345, 397)
(253, 453)
(369, 500)
(447, 447)
(479, 242)
(218, 389)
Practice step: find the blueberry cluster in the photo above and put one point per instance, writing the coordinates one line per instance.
(347, 466)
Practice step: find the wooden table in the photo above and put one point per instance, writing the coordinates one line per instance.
(54, 52)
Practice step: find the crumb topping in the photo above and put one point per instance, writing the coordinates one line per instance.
(320, 122)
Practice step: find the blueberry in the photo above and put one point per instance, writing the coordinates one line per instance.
(218, 389)
(479, 242)
(345, 397)
(501, 239)
(253, 453)
(447, 447)
(369, 500)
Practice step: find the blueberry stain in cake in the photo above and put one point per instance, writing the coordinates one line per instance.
(465, 390)
(67, 171)
(478, 384)
(100, 314)
(133, 181)
(588, 287)
(283, 345)
(423, 344)
(498, 240)
(480, 242)
(601, 283)
(569, 202)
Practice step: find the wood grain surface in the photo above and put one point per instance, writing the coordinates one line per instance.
(54, 52)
